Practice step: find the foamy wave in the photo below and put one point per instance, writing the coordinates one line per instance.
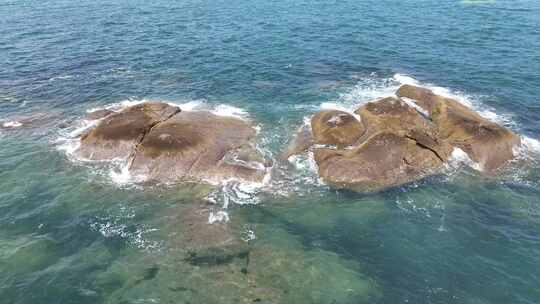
(61, 77)
(12, 124)
(531, 144)
(113, 227)
(69, 141)
(192, 105)
(458, 158)
(528, 151)
(404, 79)
(471, 101)
(231, 111)
(366, 90)
(122, 176)
(239, 192)
(218, 217)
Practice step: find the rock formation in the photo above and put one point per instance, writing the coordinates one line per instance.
(486, 143)
(392, 143)
(166, 144)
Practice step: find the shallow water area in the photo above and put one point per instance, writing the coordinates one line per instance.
(74, 231)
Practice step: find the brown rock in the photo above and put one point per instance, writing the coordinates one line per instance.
(485, 142)
(332, 127)
(119, 133)
(394, 115)
(384, 160)
(199, 146)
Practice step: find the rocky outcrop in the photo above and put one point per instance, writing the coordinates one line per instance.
(486, 143)
(165, 144)
(393, 143)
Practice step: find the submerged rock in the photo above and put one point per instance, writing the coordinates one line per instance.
(486, 143)
(164, 144)
(299, 143)
(395, 142)
(206, 236)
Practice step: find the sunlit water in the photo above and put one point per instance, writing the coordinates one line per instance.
(80, 232)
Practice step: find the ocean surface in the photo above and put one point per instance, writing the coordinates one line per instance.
(78, 232)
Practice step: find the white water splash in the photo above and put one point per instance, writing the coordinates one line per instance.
(12, 124)
(459, 158)
(218, 217)
(191, 105)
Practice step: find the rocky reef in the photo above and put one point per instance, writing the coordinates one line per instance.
(399, 139)
(384, 143)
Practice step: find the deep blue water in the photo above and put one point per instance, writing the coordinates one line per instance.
(69, 234)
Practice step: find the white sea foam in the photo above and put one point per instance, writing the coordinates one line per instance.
(471, 101)
(122, 176)
(191, 105)
(404, 79)
(113, 227)
(218, 217)
(61, 77)
(228, 110)
(531, 144)
(12, 124)
(459, 158)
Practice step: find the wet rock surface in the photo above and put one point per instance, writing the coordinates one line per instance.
(485, 142)
(332, 127)
(199, 145)
(118, 135)
(164, 144)
(397, 141)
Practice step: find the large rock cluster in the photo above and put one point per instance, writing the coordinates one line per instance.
(388, 142)
(396, 140)
(165, 144)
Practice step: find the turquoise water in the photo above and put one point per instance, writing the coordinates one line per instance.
(74, 232)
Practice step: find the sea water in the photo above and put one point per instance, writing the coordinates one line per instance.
(76, 231)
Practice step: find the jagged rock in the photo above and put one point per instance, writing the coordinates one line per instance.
(333, 127)
(394, 115)
(486, 143)
(396, 142)
(391, 145)
(119, 133)
(199, 145)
